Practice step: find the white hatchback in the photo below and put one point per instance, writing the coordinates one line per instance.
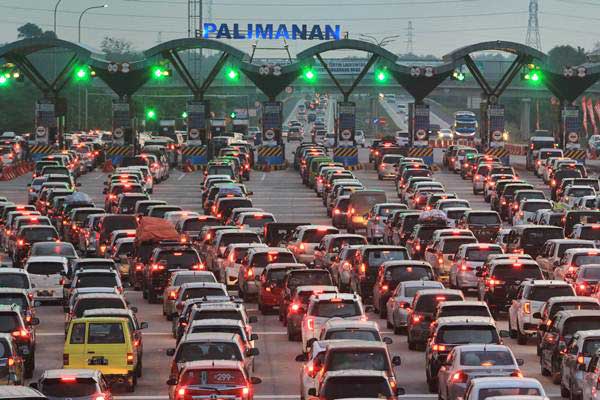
(47, 275)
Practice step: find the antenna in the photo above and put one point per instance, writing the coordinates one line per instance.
(533, 27)
(410, 37)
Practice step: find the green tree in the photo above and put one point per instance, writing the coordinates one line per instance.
(118, 50)
(30, 31)
(560, 56)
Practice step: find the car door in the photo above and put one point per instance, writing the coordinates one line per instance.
(444, 374)
(569, 360)
(515, 308)
(590, 377)
(547, 346)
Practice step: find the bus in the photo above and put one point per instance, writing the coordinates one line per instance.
(465, 124)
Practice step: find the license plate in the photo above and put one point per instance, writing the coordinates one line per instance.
(45, 292)
(98, 361)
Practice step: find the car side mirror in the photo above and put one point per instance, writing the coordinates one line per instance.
(504, 333)
(171, 352)
(397, 361)
(582, 367)
(542, 327)
(33, 385)
(182, 320)
(254, 336)
(388, 340)
(400, 391)
(252, 319)
(252, 352)
(29, 185)
(537, 315)
(369, 308)
(34, 321)
(134, 309)
(144, 325)
(255, 380)
(172, 382)
(301, 357)
(249, 193)
(310, 342)
(520, 362)
(312, 392)
(104, 191)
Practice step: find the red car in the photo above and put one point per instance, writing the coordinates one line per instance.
(271, 285)
(208, 378)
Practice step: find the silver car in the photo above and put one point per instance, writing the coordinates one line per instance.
(398, 305)
(468, 259)
(574, 364)
(474, 361)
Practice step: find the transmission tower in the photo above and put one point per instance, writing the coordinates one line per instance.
(195, 26)
(209, 10)
(410, 36)
(533, 27)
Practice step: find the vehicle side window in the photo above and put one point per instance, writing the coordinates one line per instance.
(573, 346)
(593, 365)
(78, 334)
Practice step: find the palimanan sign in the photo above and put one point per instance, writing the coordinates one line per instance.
(270, 31)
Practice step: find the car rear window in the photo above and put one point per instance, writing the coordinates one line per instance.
(69, 388)
(412, 290)
(196, 351)
(105, 333)
(544, 293)
(9, 322)
(40, 234)
(466, 334)
(179, 259)
(428, 303)
(96, 280)
(533, 206)
(575, 324)
(377, 257)
(18, 281)
(309, 278)
(480, 254)
(8, 299)
(451, 245)
(408, 273)
(583, 259)
(487, 358)
(590, 233)
(315, 235)
(194, 293)
(517, 272)
(357, 386)
(53, 249)
(331, 309)
(45, 268)
(94, 265)
(466, 310)
(349, 359)
(337, 243)
(257, 221)
(353, 334)
(83, 305)
(539, 236)
(110, 224)
(241, 237)
(591, 273)
(260, 260)
(509, 391)
(218, 314)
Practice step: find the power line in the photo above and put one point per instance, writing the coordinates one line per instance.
(362, 4)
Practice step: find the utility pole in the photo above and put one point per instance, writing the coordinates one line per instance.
(410, 37)
(533, 26)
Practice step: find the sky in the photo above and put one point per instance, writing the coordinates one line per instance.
(439, 26)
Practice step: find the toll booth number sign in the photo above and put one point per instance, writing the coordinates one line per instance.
(121, 117)
(45, 115)
(196, 115)
(271, 117)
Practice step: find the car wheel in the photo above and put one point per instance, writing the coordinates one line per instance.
(564, 392)
(573, 395)
(431, 385)
(511, 332)
(521, 339)
(382, 310)
(138, 369)
(411, 345)
(543, 370)
(30, 366)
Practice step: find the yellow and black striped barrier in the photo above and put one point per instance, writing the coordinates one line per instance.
(499, 152)
(420, 152)
(119, 151)
(576, 154)
(194, 151)
(345, 152)
(42, 149)
(268, 151)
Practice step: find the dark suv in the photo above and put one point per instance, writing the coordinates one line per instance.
(12, 322)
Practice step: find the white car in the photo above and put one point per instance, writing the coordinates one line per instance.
(359, 138)
(574, 192)
(532, 295)
(468, 259)
(377, 218)
(309, 371)
(47, 275)
(255, 221)
(387, 166)
(175, 216)
(528, 209)
(329, 140)
(508, 387)
(322, 307)
(445, 134)
(480, 360)
(398, 305)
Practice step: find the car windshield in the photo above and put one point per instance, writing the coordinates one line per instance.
(349, 359)
(544, 293)
(68, 387)
(96, 280)
(9, 322)
(357, 386)
(466, 310)
(331, 309)
(191, 351)
(452, 245)
(584, 259)
(428, 303)
(18, 281)
(41, 234)
(45, 268)
(8, 299)
(510, 391)
(353, 334)
(53, 249)
(92, 304)
(466, 334)
(194, 293)
(480, 254)
(575, 324)
(408, 273)
(486, 358)
(306, 278)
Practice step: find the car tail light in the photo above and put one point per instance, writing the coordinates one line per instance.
(139, 267)
(336, 211)
(517, 374)
(245, 391)
(493, 282)
(10, 361)
(100, 397)
(294, 307)
(580, 359)
(363, 268)
(129, 358)
(459, 377)
(157, 267)
(416, 318)
(527, 308)
(249, 273)
(302, 246)
(199, 267)
(384, 288)
(20, 243)
(440, 260)
(438, 347)
(172, 294)
(181, 392)
(310, 324)
(68, 379)
(21, 333)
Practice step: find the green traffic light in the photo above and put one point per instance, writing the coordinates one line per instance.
(535, 77)
(381, 75)
(150, 114)
(160, 73)
(231, 74)
(82, 74)
(233, 114)
(310, 75)
(184, 114)
(3, 80)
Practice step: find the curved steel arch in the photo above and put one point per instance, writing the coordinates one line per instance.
(193, 43)
(498, 45)
(347, 44)
(25, 47)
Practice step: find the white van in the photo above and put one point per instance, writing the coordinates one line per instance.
(47, 275)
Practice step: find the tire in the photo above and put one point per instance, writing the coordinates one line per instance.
(388, 325)
(512, 333)
(564, 392)
(169, 317)
(411, 345)
(138, 369)
(382, 311)
(30, 366)
(152, 297)
(397, 330)
(521, 339)
(573, 396)
(432, 385)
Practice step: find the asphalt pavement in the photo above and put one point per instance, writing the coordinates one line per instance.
(282, 193)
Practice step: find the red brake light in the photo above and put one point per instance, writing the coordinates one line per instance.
(68, 379)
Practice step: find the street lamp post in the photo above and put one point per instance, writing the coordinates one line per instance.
(56, 8)
(81, 16)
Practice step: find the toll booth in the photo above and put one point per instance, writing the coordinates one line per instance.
(240, 125)
(46, 129)
(272, 151)
(121, 122)
(492, 131)
(570, 132)
(195, 152)
(345, 150)
(166, 127)
(418, 124)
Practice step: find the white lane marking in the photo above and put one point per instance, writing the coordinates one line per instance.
(181, 177)
(263, 176)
